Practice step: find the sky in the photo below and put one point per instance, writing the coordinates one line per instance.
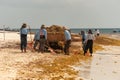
(70, 13)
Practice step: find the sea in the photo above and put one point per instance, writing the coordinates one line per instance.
(102, 30)
(78, 30)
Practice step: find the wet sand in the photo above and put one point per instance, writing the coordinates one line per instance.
(104, 65)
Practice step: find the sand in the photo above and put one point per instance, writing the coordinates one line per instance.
(11, 58)
(104, 65)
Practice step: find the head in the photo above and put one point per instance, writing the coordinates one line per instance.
(82, 32)
(89, 31)
(42, 26)
(24, 25)
(65, 28)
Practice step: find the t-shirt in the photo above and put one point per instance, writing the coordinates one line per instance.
(67, 35)
(24, 31)
(90, 37)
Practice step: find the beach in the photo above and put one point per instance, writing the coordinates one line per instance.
(11, 58)
(15, 65)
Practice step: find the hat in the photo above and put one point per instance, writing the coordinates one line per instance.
(65, 28)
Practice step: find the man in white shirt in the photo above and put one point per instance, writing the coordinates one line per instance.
(89, 42)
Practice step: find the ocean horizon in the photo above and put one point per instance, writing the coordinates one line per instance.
(102, 30)
(77, 30)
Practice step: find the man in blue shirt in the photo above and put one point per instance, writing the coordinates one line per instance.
(43, 38)
(23, 37)
(83, 35)
(67, 41)
(36, 39)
